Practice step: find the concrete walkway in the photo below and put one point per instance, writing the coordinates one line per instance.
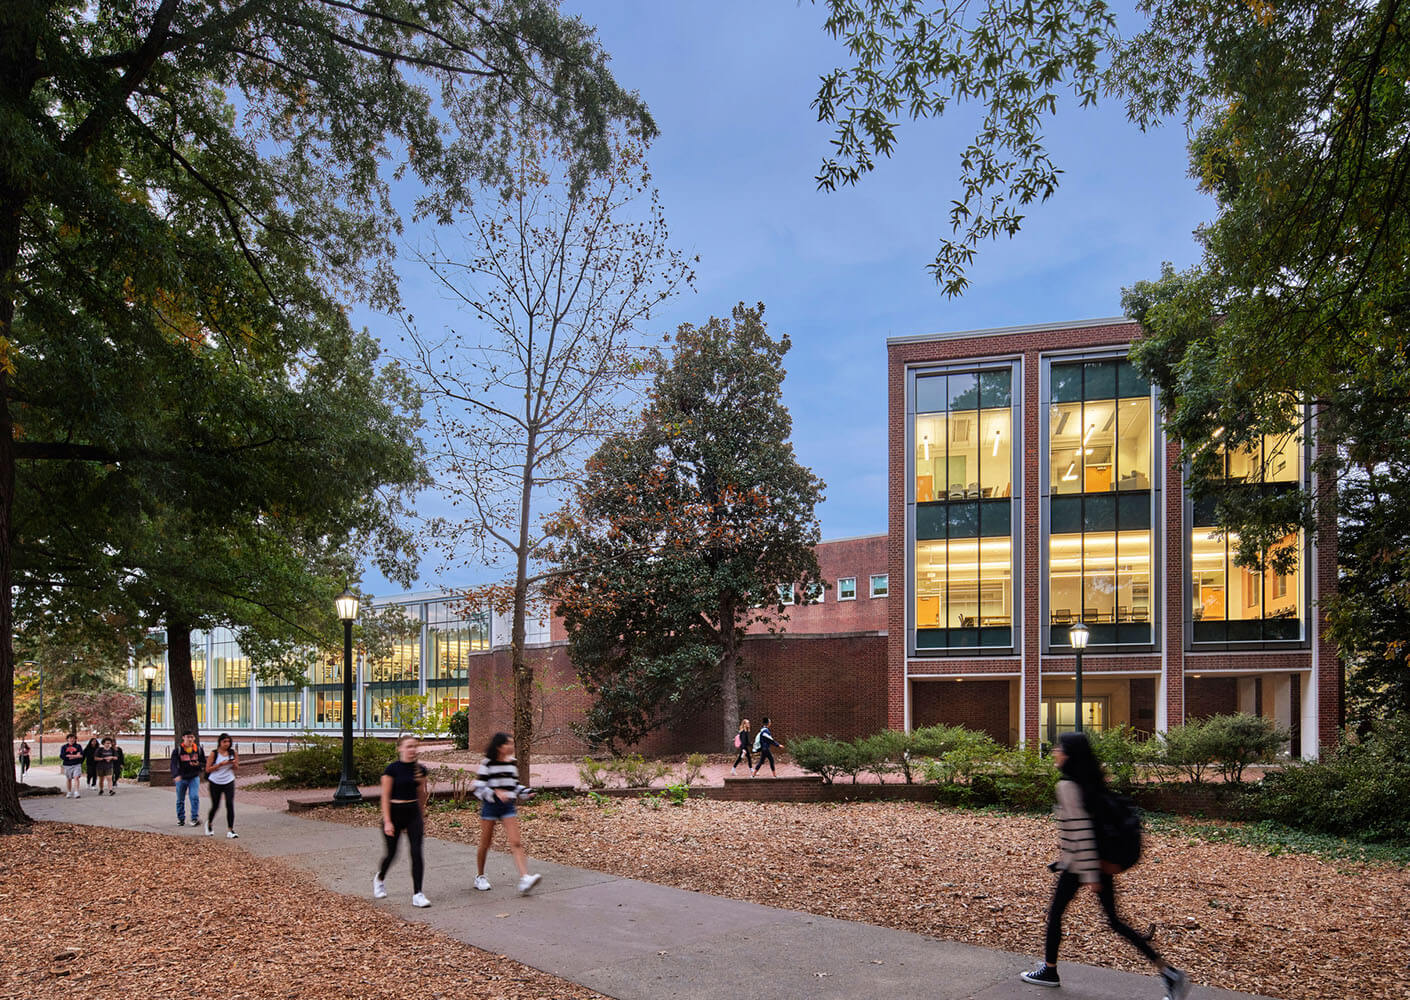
(624, 938)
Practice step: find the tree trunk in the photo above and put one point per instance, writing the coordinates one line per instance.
(179, 680)
(523, 670)
(729, 675)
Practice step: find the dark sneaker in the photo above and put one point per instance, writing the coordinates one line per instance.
(1177, 986)
(1044, 975)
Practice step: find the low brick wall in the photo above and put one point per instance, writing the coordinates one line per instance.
(1215, 801)
(161, 768)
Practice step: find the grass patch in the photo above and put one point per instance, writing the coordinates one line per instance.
(1275, 838)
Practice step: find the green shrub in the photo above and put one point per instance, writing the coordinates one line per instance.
(634, 770)
(1025, 780)
(890, 750)
(458, 725)
(131, 764)
(694, 765)
(1120, 753)
(592, 773)
(1186, 750)
(1235, 741)
(319, 762)
(1359, 790)
(821, 755)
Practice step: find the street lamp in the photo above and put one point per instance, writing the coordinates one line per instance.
(347, 792)
(1079, 634)
(36, 663)
(149, 674)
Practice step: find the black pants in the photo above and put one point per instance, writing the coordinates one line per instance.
(405, 816)
(92, 775)
(24, 765)
(766, 753)
(744, 754)
(216, 790)
(1063, 893)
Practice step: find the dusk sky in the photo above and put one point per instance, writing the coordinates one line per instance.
(730, 85)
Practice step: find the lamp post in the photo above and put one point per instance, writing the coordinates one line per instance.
(149, 674)
(347, 792)
(36, 663)
(1079, 634)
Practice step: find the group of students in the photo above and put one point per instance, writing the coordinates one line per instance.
(405, 790)
(102, 760)
(189, 764)
(748, 744)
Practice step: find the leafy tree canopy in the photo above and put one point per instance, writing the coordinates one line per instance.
(683, 531)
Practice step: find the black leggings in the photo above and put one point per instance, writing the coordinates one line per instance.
(24, 765)
(405, 816)
(1066, 889)
(215, 789)
(766, 753)
(744, 754)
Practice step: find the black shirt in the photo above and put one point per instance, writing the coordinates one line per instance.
(71, 753)
(405, 779)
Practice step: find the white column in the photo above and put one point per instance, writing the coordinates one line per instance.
(1310, 747)
(1248, 696)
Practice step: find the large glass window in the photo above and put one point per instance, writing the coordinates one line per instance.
(392, 676)
(231, 676)
(281, 707)
(963, 528)
(1230, 603)
(1100, 474)
(157, 660)
(456, 635)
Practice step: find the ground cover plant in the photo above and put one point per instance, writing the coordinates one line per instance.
(1241, 916)
(319, 763)
(264, 943)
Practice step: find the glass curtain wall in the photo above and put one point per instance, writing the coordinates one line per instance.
(281, 706)
(454, 635)
(326, 691)
(1230, 603)
(158, 660)
(963, 488)
(393, 676)
(1100, 479)
(231, 676)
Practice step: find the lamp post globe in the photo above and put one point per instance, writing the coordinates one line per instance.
(346, 605)
(1079, 635)
(149, 674)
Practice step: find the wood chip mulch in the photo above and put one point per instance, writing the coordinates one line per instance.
(87, 912)
(1290, 925)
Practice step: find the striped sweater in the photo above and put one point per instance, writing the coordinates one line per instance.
(1077, 840)
(495, 776)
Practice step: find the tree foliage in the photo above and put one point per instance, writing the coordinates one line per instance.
(682, 532)
(191, 192)
(107, 713)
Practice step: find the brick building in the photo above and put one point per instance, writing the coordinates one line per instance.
(1031, 487)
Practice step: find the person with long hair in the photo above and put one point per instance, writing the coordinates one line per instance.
(90, 762)
(220, 783)
(1079, 795)
(405, 791)
(744, 740)
(105, 758)
(498, 789)
(24, 758)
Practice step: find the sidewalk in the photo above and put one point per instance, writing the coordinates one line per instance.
(624, 938)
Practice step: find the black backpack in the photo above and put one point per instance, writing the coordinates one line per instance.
(1117, 825)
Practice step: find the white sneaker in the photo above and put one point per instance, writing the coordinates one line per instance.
(528, 882)
(420, 900)
(482, 883)
(209, 831)
(379, 888)
(232, 835)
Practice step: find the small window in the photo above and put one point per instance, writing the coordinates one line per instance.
(847, 588)
(813, 593)
(785, 593)
(878, 585)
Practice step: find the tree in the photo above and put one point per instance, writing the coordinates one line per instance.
(147, 226)
(683, 532)
(105, 712)
(557, 281)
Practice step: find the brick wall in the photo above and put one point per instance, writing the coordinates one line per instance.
(1208, 696)
(1143, 704)
(854, 557)
(982, 705)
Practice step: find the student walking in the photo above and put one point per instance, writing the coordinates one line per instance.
(105, 757)
(1079, 792)
(498, 789)
(90, 762)
(744, 740)
(188, 763)
(763, 746)
(71, 757)
(118, 764)
(405, 790)
(220, 783)
(24, 758)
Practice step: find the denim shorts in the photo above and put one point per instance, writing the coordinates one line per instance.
(497, 809)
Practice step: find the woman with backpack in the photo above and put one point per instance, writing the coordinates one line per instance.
(1081, 790)
(744, 743)
(763, 746)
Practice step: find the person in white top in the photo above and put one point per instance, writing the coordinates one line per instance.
(220, 774)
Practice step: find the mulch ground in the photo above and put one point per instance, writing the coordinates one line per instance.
(88, 912)
(1290, 926)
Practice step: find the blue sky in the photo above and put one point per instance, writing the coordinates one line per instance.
(730, 84)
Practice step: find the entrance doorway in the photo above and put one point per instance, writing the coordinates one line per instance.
(1058, 715)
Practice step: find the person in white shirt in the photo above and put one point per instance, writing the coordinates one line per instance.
(220, 778)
